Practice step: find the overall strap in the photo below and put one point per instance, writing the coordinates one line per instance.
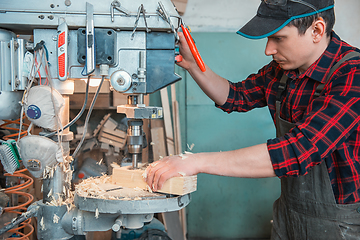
(348, 56)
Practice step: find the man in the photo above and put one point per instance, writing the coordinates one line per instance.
(316, 110)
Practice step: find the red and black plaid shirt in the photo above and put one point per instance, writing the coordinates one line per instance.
(327, 127)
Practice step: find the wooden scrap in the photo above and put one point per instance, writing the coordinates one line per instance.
(167, 121)
(134, 178)
(109, 134)
(101, 124)
(158, 143)
(180, 6)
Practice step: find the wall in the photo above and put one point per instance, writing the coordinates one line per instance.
(224, 207)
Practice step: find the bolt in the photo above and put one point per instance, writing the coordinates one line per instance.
(52, 5)
(41, 17)
(115, 227)
(51, 17)
(67, 2)
(121, 81)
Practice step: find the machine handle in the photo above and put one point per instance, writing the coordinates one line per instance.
(193, 48)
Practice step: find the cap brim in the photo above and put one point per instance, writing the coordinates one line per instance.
(259, 27)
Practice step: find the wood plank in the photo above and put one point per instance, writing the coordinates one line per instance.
(118, 99)
(167, 121)
(111, 142)
(112, 137)
(146, 129)
(158, 143)
(80, 87)
(116, 133)
(102, 101)
(125, 177)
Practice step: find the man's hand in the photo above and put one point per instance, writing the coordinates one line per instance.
(174, 166)
(188, 61)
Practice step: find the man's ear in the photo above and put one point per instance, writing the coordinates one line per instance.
(318, 30)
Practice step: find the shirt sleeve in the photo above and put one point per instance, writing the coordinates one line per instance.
(247, 94)
(329, 130)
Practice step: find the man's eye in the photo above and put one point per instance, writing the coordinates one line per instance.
(278, 39)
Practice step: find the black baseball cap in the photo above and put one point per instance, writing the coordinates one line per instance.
(273, 15)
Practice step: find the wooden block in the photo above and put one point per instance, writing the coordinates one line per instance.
(125, 177)
(158, 143)
(104, 147)
(116, 132)
(80, 87)
(102, 101)
(167, 121)
(111, 142)
(110, 124)
(111, 137)
(119, 99)
(180, 5)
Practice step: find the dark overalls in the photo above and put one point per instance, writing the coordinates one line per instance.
(307, 208)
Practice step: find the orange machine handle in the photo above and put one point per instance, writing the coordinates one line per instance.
(193, 48)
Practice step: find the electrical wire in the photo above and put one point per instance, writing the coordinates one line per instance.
(88, 118)
(79, 114)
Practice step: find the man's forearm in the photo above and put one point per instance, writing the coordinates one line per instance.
(250, 162)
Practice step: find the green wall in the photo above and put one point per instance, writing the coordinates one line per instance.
(225, 207)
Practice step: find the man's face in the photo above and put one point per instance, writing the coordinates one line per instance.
(291, 50)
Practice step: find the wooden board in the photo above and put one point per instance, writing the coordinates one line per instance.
(167, 121)
(125, 177)
(180, 5)
(158, 143)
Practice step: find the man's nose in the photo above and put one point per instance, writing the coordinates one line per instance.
(270, 48)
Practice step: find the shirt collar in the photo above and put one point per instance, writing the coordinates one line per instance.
(321, 67)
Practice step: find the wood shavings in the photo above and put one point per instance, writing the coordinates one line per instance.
(89, 187)
(97, 213)
(182, 174)
(155, 163)
(144, 175)
(148, 188)
(186, 152)
(100, 162)
(191, 146)
(115, 165)
(56, 218)
(42, 225)
(182, 156)
(50, 193)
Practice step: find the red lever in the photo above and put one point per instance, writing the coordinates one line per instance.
(193, 48)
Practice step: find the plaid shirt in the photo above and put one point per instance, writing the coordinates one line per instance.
(327, 127)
